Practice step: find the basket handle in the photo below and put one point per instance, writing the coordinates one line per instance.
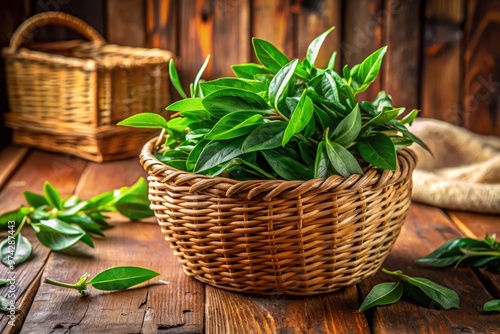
(40, 20)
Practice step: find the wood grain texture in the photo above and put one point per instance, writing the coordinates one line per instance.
(273, 22)
(161, 24)
(442, 60)
(219, 28)
(314, 18)
(401, 74)
(63, 173)
(482, 65)
(147, 309)
(125, 22)
(228, 312)
(10, 159)
(427, 228)
(362, 35)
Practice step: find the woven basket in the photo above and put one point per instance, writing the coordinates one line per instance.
(280, 237)
(68, 96)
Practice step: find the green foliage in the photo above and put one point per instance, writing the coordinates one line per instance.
(417, 289)
(492, 305)
(466, 252)
(283, 107)
(61, 223)
(117, 278)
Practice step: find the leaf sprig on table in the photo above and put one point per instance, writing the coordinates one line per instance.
(469, 252)
(282, 119)
(113, 279)
(60, 223)
(420, 290)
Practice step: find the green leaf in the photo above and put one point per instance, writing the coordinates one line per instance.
(368, 70)
(382, 294)
(329, 88)
(58, 235)
(301, 116)
(348, 129)
(408, 119)
(322, 164)
(287, 167)
(134, 207)
(85, 222)
(249, 71)
(379, 150)
(217, 152)
(52, 196)
(174, 78)
(74, 209)
(255, 168)
(343, 162)
(191, 104)
(384, 117)
(402, 128)
(272, 58)
(445, 297)
(195, 154)
(6, 305)
(266, 136)
(314, 47)
(281, 83)
(331, 62)
(121, 278)
(9, 217)
(235, 125)
(492, 306)
(198, 77)
(226, 101)
(15, 250)
(145, 120)
(35, 200)
(253, 86)
(4, 282)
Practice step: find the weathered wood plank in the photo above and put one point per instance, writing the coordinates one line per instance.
(63, 172)
(426, 228)
(228, 312)
(150, 309)
(362, 35)
(161, 24)
(125, 22)
(482, 77)
(401, 74)
(218, 28)
(314, 18)
(441, 84)
(475, 225)
(273, 22)
(10, 159)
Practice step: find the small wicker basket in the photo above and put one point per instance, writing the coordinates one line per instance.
(68, 96)
(280, 237)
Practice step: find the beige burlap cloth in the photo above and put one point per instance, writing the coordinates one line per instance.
(464, 171)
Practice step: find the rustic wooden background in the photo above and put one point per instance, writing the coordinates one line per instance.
(443, 58)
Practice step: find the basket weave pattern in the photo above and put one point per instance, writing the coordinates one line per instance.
(275, 236)
(67, 96)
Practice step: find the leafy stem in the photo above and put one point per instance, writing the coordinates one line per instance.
(21, 225)
(117, 278)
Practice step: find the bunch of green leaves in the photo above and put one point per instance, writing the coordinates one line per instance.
(117, 278)
(61, 223)
(417, 289)
(282, 118)
(466, 252)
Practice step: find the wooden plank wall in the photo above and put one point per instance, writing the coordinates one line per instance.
(443, 58)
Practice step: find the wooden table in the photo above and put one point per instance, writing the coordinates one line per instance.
(188, 306)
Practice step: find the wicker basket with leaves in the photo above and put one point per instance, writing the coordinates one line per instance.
(279, 180)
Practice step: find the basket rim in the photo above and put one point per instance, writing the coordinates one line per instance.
(373, 177)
